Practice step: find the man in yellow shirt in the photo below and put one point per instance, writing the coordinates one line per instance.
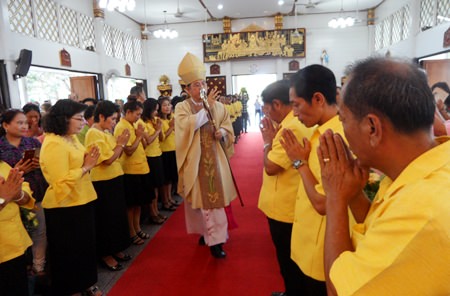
(280, 179)
(313, 99)
(401, 244)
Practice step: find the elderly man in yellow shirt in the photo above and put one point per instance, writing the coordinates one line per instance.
(401, 244)
(280, 179)
(313, 99)
(14, 239)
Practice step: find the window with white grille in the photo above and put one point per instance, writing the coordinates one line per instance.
(20, 17)
(47, 20)
(69, 27)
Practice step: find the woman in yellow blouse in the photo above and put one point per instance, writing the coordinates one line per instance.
(153, 135)
(111, 221)
(134, 164)
(69, 201)
(168, 153)
(14, 239)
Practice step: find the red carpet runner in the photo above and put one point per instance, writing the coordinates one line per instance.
(174, 264)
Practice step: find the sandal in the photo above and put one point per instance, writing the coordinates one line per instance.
(94, 291)
(136, 240)
(170, 207)
(157, 220)
(143, 235)
(123, 257)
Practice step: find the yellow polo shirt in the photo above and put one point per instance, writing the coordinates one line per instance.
(154, 149)
(14, 239)
(277, 195)
(168, 144)
(61, 161)
(106, 142)
(403, 246)
(308, 231)
(136, 163)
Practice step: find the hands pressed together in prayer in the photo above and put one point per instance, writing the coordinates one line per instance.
(268, 130)
(294, 149)
(90, 158)
(11, 188)
(342, 177)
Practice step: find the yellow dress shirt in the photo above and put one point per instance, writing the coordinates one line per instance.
(308, 231)
(403, 246)
(136, 163)
(61, 161)
(169, 142)
(106, 142)
(14, 239)
(277, 196)
(154, 149)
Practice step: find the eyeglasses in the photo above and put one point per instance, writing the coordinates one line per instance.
(79, 119)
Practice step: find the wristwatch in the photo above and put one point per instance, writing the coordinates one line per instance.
(2, 201)
(298, 163)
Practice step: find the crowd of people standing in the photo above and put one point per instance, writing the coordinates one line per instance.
(92, 174)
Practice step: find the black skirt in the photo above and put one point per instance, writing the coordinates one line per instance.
(113, 235)
(156, 175)
(170, 167)
(13, 277)
(138, 190)
(71, 246)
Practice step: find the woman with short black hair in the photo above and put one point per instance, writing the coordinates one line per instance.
(69, 201)
(111, 221)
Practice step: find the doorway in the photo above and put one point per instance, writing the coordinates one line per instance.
(254, 84)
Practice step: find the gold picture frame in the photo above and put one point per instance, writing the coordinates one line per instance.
(286, 43)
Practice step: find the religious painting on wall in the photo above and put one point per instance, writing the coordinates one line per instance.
(288, 43)
(217, 82)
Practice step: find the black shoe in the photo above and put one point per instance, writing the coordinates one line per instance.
(279, 294)
(217, 251)
(201, 241)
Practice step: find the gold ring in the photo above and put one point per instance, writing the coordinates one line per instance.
(326, 160)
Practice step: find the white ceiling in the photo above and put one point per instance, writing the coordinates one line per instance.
(198, 10)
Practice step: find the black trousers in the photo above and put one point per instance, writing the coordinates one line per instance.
(245, 120)
(295, 281)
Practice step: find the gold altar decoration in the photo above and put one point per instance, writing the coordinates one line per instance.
(165, 88)
(226, 25)
(255, 44)
(278, 21)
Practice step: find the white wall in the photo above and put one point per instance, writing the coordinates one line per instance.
(46, 53)
(343, 47)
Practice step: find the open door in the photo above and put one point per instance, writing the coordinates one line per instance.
(84, 87)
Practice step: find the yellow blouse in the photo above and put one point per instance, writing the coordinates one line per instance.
(169, 142)
(154, 149)
(136, 163)
(14, 239)
(106, 142)
(61, 161)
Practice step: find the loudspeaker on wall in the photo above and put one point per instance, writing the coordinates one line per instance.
(23, 64)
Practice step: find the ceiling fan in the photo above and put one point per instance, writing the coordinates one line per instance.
(310, 4)
(179, 13)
